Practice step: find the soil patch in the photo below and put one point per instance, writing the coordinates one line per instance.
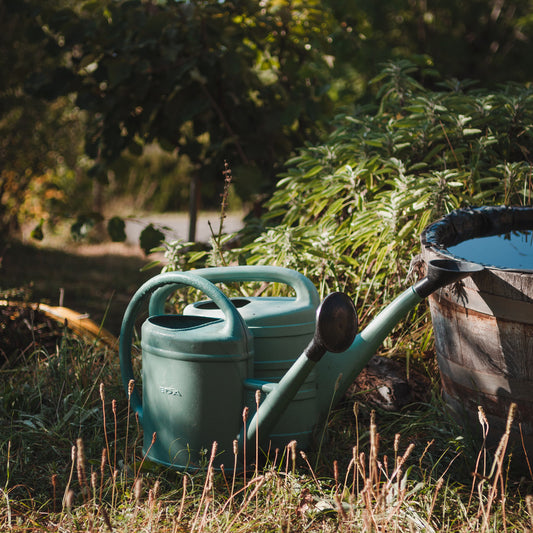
(22, 330)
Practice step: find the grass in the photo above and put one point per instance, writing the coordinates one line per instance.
(71, 461)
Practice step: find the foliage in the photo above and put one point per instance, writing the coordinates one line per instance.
(486, 40)
(246, 82)
(349, 211)
(212, 79)
(116, 229)
(39, 142)
(156, 181)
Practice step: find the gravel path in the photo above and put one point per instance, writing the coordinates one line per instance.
(176, 225)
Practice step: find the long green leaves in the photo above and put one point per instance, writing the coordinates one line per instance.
(349, 212)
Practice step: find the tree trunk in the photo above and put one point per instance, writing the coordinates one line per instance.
(194, 203)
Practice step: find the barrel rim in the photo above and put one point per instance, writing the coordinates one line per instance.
(487, 220)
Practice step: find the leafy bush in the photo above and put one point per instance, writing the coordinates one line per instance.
(348, 212)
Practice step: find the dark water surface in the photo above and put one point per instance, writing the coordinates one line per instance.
(508, 250)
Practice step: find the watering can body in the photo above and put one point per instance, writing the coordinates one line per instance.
(281, 328)
(193, 370)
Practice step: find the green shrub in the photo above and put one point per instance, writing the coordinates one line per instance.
(349, 211)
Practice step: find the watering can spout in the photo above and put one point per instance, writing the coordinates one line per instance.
(442, 272)
(336, 327)
(338, 373)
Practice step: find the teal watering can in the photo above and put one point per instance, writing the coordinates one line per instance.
(192, 373)
(197, 370)
(202, 367)
(281, 328)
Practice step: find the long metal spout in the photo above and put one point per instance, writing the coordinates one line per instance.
(337, 372)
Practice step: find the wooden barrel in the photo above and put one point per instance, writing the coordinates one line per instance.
(483, 329)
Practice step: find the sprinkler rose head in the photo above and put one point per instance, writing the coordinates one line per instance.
(336, 326)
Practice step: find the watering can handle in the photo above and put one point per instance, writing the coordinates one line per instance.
(306, 293)
(233, 325)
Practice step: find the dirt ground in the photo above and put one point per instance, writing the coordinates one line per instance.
(97, 279)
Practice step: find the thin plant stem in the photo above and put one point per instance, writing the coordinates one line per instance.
(257, 402)
(72, 463)
(154, 436)
(259, 481)
(244, 420)
(208, 485)
(137, 434)
(235, 457)
(183, 496)
(102, 469)
(131, 384)
(102, 397)
(114, 409)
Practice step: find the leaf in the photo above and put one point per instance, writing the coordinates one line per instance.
(151, 264)
(471, 131)
(196, 256)
(150, 238)
(313, 172)
(118, 71)
(51, 84)
(116, 229)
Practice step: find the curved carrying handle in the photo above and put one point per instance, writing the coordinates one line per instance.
(234, 324)
(306, 293)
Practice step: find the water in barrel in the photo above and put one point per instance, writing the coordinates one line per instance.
(513, 250)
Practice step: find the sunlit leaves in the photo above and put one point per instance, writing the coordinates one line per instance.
(350, 211)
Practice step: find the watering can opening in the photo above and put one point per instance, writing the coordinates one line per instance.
(451, 265)
(175, 322)
(442, 272)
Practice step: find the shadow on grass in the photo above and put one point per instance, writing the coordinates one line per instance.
(99, 284)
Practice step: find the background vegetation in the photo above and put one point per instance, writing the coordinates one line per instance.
(348, 126)
(349, 211)
(89, 88)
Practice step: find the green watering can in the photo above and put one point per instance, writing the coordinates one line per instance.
(281, 328)
(201, 368)
(197, 371)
